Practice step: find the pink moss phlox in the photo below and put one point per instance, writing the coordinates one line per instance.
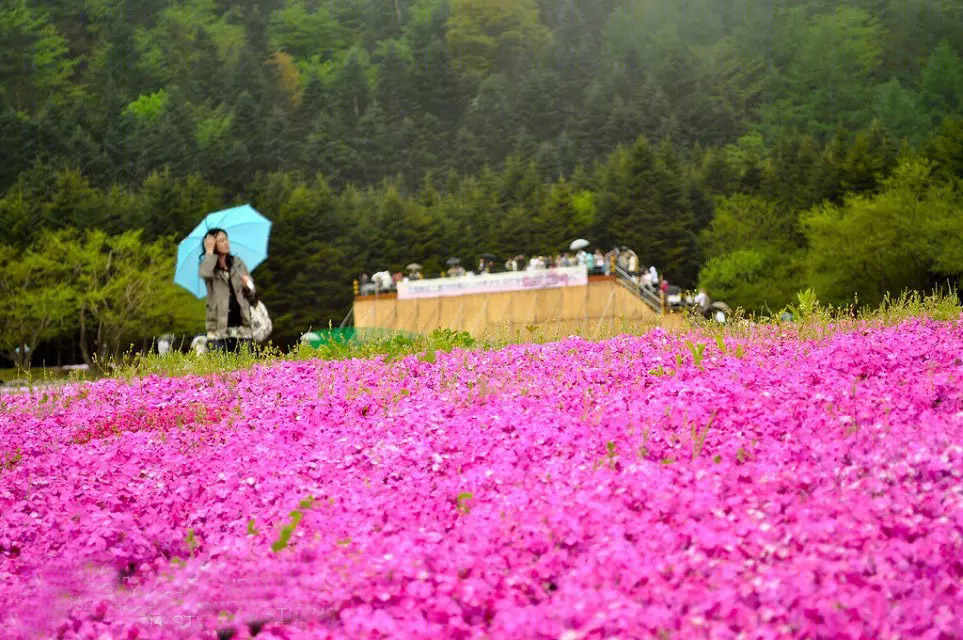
(778, 488)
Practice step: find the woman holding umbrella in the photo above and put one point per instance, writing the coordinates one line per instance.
(230, 293)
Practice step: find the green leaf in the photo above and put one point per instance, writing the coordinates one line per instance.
(284, 536)
(462, 502)
(721, 343)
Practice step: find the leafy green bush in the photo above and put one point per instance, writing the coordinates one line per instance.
(755, 279)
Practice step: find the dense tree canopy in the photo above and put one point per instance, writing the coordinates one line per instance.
(352, 88)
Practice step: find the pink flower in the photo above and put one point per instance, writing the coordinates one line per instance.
(804, 489)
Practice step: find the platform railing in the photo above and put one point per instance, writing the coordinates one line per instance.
(649, 296)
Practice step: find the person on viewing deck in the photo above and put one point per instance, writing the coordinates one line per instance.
(702, 300)
(601, 265)
(633, 263)
(230, 293)
(622, 259)
(381, 280)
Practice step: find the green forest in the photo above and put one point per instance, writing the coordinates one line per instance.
(756, 148)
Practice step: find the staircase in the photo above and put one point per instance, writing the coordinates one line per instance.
(646, 295)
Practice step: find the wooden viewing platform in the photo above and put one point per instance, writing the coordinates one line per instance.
(585, 309)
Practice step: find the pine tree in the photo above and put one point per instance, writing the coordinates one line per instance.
(628, 210)
(491, 118)
(868, 160)
(574, 58)
(393, 83)
(717, 174)
(672, 243)
(945, 148)
(942, 83)
(901, 111)
(23, 140)
(205, 77)
(351, 88)
(537, 104)
(435, 84)
(371, 142)
(558, 221)
(242, 158)
(277, 147)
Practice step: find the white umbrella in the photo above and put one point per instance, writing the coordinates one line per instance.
(581, 243)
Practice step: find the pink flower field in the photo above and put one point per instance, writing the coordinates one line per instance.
(642, 487)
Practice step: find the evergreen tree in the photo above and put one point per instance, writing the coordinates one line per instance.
(371, 140)
(277, 148)
(307, 280)
(435, 84)
(945, 148)
(33, 57)
(558, 220)
(900, 111)
(537, 104)
(831, 61)
(204, 79)
(351, 87)
(24, 141)
(242, 159)
(868, 160)
(942, 85)
(393, 83)
(573, 55)
(672, 240)
(717, 173)
(627, 198)
(491, 118)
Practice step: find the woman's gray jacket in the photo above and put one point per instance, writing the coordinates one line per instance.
(219, 292)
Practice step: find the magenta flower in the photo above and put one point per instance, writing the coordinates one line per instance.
(576, 490)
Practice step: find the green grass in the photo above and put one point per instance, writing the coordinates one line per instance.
(388, 347)
(811, 320)
(35, 376)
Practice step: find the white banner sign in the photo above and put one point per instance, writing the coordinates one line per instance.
(494, 282)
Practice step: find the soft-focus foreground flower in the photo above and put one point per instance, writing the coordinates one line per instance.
(634, 488)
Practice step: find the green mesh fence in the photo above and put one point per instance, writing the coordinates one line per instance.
(345, 335)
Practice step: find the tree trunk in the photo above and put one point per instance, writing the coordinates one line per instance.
(101, 345)
(84, 353)
(22, 358)
(35, 339)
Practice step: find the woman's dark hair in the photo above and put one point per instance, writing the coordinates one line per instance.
(213, 232)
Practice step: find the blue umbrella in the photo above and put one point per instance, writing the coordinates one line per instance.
(248, 232)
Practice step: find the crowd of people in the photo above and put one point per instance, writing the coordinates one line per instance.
(595, 262)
